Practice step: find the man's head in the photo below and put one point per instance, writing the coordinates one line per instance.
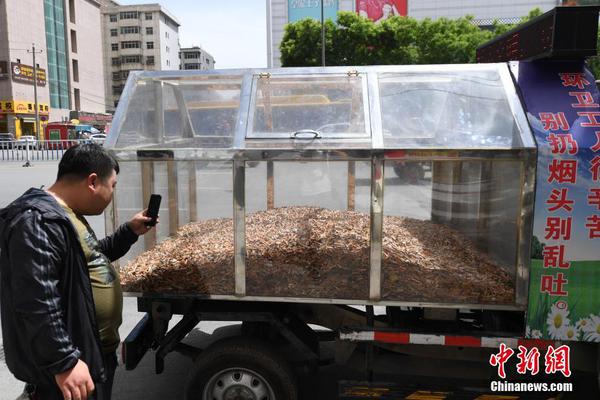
(92, 172)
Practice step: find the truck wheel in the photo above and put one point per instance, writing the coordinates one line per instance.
(240, 369)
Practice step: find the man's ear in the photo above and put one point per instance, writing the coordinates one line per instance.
(92, 181)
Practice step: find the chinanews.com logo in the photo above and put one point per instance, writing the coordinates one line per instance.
(556, 360)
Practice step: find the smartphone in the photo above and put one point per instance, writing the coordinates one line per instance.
(153, 207)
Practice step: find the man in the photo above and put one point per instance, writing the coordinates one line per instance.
(60, 296)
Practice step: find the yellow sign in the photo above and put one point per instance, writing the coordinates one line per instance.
(22, 107)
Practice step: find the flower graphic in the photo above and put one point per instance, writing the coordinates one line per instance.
(570, 333)
(557, 320)
(532, 333)
(591, 331)
(582, 323)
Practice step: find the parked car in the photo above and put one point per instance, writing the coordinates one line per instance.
(21, 143)
(98, 138)
(6, 140)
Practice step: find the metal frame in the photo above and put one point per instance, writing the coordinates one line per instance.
(350, 150)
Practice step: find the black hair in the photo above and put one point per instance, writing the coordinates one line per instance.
(82, 160)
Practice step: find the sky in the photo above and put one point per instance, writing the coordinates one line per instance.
(233, 31)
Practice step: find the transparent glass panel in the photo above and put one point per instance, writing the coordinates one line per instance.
(302, 239)
(191, 249)
(197, 112)
(450, 231)
(332, 106)
(447, 110)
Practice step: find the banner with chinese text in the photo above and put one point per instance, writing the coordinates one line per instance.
(562, 104)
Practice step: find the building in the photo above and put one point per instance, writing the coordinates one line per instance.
(195, 58)
(483, 11)
(281, 12)
(68, 47)
(136, 37)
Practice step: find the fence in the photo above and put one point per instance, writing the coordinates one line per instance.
(28, 151)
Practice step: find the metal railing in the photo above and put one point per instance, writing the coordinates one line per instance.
(28, 150)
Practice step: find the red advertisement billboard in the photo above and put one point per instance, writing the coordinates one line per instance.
(378, 10)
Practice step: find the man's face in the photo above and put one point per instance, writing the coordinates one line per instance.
(102, 193)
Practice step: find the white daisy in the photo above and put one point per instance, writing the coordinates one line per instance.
(532, 333)
(591, 331)
(557, 320)
(570, 333)
(536, 334)
(582, 323)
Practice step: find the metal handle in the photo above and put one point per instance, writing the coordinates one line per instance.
(315, 134)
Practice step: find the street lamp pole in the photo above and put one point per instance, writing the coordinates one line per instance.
(37, 107)
(322, 33)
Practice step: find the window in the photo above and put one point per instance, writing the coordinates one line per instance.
(72, 11)
(129, 29)
(114, 46)
(73, 41)
(114, 32)
(132, 59)
(149, 45)
(189, 56)
(129, 15)
(149, 31)
(75, 70)
(130, 45)
(167, 35)
(117, 90)
(115, 61)
(116, 75)
(150, 60)
(113, 17)
(168, 63)
(148, 16)
(192, 66)
(77, 99)
(167, 49)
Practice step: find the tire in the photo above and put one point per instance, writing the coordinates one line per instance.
(241, 368)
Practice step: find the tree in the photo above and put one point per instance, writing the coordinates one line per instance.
(355, 40)
(537, 248)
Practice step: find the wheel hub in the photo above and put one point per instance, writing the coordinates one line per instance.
(238, 384)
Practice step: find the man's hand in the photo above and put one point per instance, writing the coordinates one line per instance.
(76, 383)
(138, 223)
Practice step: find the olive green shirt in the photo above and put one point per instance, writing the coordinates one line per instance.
(106, 286)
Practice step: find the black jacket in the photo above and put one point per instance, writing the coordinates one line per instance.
(47, 307)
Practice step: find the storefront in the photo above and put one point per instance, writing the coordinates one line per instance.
(97, 120)
(18, 117)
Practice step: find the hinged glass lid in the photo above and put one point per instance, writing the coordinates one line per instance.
(182, 112)
(447, 109)
(309, 107)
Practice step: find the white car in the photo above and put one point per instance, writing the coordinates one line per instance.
(21, 143)
(98, 138)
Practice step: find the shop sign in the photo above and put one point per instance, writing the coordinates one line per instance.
(24, 73)
(379, 10)
(563, 107)
(90, 118)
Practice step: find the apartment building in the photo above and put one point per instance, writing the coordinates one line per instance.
(68, 47)
(136, 37)
(196, 58)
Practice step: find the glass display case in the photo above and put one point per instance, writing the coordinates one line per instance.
(389, 185)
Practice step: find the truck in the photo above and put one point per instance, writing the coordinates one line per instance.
(322, 254)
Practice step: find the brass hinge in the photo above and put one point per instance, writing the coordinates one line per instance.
(352, 72)
(265, 75)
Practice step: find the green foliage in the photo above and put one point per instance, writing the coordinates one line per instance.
(537, 248)
(355, 40)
